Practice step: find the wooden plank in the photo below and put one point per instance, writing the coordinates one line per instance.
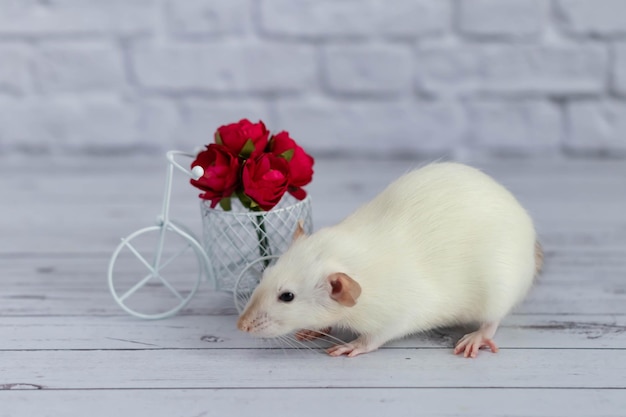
(60, 211)
(107, 204)
(231, 368)
(60, 328)
(303, 403)
(562, 266)
(598, 299)
(219, 332)
(574, 282)
(66, 228)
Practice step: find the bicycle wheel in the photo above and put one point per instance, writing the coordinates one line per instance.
(139, 266)
(248, 279)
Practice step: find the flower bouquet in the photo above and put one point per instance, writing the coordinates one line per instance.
(252, 196)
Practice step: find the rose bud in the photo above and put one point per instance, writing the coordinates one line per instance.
(300, 163)
(243, 138)
(265, 180)
(221, 172)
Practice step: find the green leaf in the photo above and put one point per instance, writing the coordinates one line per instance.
(288, 154)
(218, 138)
(225, 204)
(247, 149)
(245, 200)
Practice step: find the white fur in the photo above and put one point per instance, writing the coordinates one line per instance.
(442, 245)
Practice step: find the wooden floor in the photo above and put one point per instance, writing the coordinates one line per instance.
(68, 350)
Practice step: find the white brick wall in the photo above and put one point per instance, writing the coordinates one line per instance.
(44, 19)
(597, 127)
(619, 73)
(515, 18)
(207, 18)
(15, 61)
(397, 77)
(387, 126)
(604, 18)
(514, 126)
(512, 69)
(367, 69)
(80, 67)
(227, 67)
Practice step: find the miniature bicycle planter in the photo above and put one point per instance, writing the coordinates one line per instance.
(229, 256)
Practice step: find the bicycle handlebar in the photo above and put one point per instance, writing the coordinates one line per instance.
(194, 173)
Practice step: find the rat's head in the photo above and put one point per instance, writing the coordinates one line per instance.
(303, 290)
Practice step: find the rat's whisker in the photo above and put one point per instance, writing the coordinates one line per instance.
(274, 344)
(296, 344)
(313, 344)
(287, 342)
(293, 339)
(316, 343)
(292, 342)
(278, 341)
(329, 336)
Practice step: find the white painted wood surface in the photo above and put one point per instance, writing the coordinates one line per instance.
(67, 350)
(273, 402)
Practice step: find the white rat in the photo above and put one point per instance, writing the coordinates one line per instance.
(442, 245)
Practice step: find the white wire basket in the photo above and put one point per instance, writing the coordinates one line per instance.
(234, 239)
(155, 271)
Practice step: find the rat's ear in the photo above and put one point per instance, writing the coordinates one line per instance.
(344, 289)
(299, 230)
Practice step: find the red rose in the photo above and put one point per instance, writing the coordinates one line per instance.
(221, 173)
(265, 179)
(243, 138)
(300, 164)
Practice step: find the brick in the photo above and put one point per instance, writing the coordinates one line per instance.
(226, 67)
(208, 17)
(202, 117)
(516, 126)
(79, 67)
(619, 69)
(372, 128)
(354, 18)
(15, 64)
(317, 18)
(368, 69)
(597, 127)
(517, 18)
(413, 18)
(593, 17)
(71, 124)
(63, 17)
(512, 69)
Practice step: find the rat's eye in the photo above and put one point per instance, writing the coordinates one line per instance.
(286, 297)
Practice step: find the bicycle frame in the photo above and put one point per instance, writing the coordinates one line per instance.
(164, 224)
(156, 264)
(196, 173)
(164, 219)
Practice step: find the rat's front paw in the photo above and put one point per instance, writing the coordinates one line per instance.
(353, 349)
(312, 334)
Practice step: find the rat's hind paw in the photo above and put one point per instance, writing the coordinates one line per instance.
(470, 343)
(305, 334)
